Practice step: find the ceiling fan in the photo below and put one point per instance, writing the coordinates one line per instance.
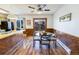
(39, 7)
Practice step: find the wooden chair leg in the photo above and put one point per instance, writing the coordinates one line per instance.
(40, 44)
(49, 49)
(55, 44)
(33, 43)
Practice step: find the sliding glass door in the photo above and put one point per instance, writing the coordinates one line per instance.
(40, 24)
(20, 24)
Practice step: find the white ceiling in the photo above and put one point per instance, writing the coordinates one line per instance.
(22, 9)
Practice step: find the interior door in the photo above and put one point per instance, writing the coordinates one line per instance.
(40, 24)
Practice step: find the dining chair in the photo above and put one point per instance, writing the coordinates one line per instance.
(36, 37)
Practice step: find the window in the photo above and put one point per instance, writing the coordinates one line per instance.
(19, 24)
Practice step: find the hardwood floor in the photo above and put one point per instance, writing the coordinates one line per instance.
(25, 47)
(69, 40)
(8, 43)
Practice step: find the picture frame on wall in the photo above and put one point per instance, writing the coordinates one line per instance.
(65, 18)
(28, 22)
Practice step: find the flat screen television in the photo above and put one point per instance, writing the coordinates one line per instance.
(5, 25)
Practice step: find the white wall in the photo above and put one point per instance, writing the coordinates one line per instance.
(71, 27)
(49, 20)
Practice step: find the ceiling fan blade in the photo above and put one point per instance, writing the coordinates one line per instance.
(31, 7)
(39, 9)
(47, 10)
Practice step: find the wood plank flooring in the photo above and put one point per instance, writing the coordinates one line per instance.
(8, 43)
(25, 47)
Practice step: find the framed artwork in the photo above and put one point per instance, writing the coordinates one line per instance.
(66, 17)
(28, 22)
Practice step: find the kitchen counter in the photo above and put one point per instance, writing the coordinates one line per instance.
(7, 34)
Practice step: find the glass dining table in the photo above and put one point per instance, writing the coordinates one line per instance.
(46, 39)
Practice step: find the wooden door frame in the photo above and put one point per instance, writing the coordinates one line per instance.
(40, 19)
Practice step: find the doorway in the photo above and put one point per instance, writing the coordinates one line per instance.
(40, 24)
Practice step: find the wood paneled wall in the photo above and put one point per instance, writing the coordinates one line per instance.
(50, 30)
(71, 41)
(29, 32)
